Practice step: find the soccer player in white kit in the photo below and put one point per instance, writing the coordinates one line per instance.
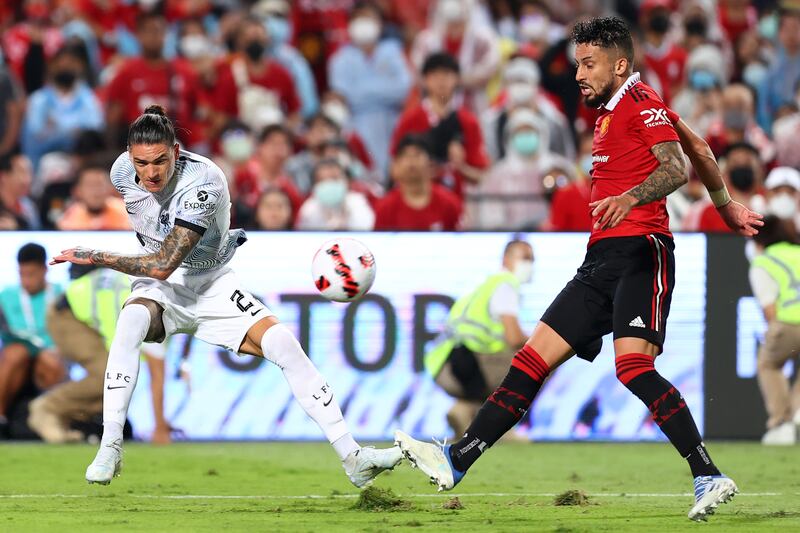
(179, 207)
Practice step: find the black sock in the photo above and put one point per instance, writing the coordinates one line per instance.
(498, 414)
(673, 417)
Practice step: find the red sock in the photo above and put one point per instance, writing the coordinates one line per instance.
(632, 365)
(530, 362)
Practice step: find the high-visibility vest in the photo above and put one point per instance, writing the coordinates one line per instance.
(96, 299)
(471, 324)
(782, 262)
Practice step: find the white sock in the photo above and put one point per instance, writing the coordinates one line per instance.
(308, 386)
(122, 368)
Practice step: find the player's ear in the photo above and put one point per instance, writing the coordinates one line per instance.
(176, 150)
(621, 66)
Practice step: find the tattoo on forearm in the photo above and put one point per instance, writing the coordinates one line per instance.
(670, 174)
(176, 246)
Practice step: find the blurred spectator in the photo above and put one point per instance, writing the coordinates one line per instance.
(319, 29)
(12, 107)
(29, 44)
(751, 60)
(511, 196)
(521, 90)
(695, 27)
(665, 57)
(742, 172)
(95, 207)
(700, 101)
(61, 109)
(264, 86)
(736, 123)
(772, 278)
(373, 77)
(265, 170)
(27, 354)
(275, 14)
(273, 211)
(417, 203)
(320, 130)
(784, 71)
(786, 132)
(334, 106)
(783, 194)
(736, 17)
(236, 147)
(17, 210)
(569, 210)
(152, 79)
(452, 131)
(475, 46)
(340, 150)
(332, 206)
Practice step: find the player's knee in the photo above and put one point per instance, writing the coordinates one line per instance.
(156, 331)
(281, 347)
(632, 365)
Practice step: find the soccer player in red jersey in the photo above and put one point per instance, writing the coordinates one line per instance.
(625, 283)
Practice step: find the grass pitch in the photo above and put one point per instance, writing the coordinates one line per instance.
(301, 487)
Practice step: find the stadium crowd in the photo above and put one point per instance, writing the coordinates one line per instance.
(389, 114)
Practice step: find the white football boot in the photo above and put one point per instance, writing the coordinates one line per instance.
(709, 493)
(432, 459)
(107, 463)
(364, 464)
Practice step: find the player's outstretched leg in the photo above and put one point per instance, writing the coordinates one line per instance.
(122, 371)
(315, 396)
(711, 488)
(446, 465)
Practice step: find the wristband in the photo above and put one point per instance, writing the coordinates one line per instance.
(721, 198)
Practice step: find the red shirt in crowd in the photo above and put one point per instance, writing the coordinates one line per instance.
(104, 17)
(630, 124)
(172, 85)
(272, 77)
(569, 210)
(16, 41)
(669, 67)
(443, 213)
(249, 188)
(419, 119)
(710, 221)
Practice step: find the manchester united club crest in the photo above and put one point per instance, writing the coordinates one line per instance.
(604, 125)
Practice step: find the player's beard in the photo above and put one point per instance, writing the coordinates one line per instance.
(599, 97)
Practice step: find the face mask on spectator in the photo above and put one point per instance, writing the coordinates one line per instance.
(525, 142)
(364, 31)
(254, 50)
(696, 26)
(768, 27)
(735, 119)
(451, 10)
(237, 146)
(520, 93)
(742, 178)
(783, 205)
(586, 164)
(279, 29)
(330, 193)
(702, 80)
(337, 112)
(523, 270)
(659, 23)
(533, 27)
(754, 74)
(195, 46)
(65, 79)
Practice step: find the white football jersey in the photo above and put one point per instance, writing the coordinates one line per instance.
(196, 197)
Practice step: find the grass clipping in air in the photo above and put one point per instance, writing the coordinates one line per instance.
(571, 497)
(375, 499)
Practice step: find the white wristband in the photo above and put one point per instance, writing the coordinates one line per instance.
(721, 197)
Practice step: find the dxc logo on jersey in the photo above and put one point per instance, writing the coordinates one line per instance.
(655, 117)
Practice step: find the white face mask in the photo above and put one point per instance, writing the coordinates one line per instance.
(364, 31)
(783, 205)
(451, 10)
(195, 46)
(520, 93)
(523, 270)
(337, 112)
(533, 28)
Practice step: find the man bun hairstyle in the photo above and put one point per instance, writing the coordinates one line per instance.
(605, 32)
(152, 127)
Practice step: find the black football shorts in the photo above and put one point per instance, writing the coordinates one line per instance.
(624, 285)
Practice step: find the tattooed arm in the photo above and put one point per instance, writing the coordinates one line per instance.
(667, 177)
(176, 246)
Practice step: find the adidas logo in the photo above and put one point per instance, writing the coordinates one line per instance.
(637, 322)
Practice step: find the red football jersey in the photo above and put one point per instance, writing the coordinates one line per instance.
(633, 121)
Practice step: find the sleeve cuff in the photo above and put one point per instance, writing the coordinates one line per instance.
(194, 227)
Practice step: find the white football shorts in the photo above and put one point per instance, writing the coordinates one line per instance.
(214, 307)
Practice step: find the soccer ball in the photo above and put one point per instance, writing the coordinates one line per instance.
(343, 270)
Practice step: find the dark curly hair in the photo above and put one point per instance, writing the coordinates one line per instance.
(605, 32)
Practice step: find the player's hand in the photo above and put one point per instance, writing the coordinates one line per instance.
(77, 256)
(613, 209)
(741, 219)
(161, 434)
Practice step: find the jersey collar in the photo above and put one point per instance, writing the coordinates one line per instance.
(632, 80)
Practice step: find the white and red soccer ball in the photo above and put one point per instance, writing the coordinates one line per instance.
(343, 270)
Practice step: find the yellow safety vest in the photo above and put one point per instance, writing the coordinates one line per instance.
(470, 324)
(782, 262)
(96, 299)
